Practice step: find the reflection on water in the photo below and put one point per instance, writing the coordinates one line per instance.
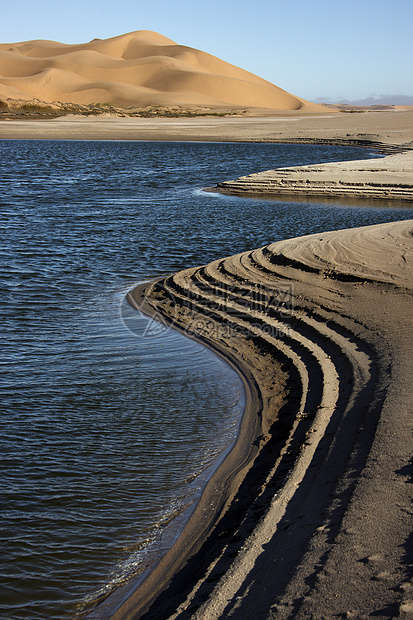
(108, 427)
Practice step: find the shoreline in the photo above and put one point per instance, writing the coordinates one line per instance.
(220, 489)
(387, 130)
(292, 446)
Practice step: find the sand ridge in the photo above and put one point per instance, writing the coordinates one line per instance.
(138, 68)
(310, 515)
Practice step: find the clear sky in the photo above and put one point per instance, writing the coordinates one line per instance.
(336, 49)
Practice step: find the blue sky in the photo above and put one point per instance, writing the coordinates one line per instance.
(346, 49)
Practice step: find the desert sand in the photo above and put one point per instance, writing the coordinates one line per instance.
(138, 68)
(310, 514)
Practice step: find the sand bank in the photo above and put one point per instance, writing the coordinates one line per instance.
(310, 514)
(384, 129)
(390, 178)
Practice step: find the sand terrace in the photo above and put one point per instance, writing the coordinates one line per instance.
(390, 178)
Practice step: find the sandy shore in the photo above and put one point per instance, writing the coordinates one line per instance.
(310, 514)
(383, 129)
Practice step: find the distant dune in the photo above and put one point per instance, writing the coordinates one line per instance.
(136, 69)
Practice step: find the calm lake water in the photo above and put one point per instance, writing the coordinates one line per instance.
(108, 426)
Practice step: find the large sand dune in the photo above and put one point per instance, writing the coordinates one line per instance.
(139, 68)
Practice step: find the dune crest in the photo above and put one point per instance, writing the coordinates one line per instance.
(138, 68)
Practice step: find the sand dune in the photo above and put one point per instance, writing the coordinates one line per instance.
(139, 68)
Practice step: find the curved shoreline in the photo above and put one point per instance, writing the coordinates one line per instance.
(301, 497)
(217, 494)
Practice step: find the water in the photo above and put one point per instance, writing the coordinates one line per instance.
(108, 427)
